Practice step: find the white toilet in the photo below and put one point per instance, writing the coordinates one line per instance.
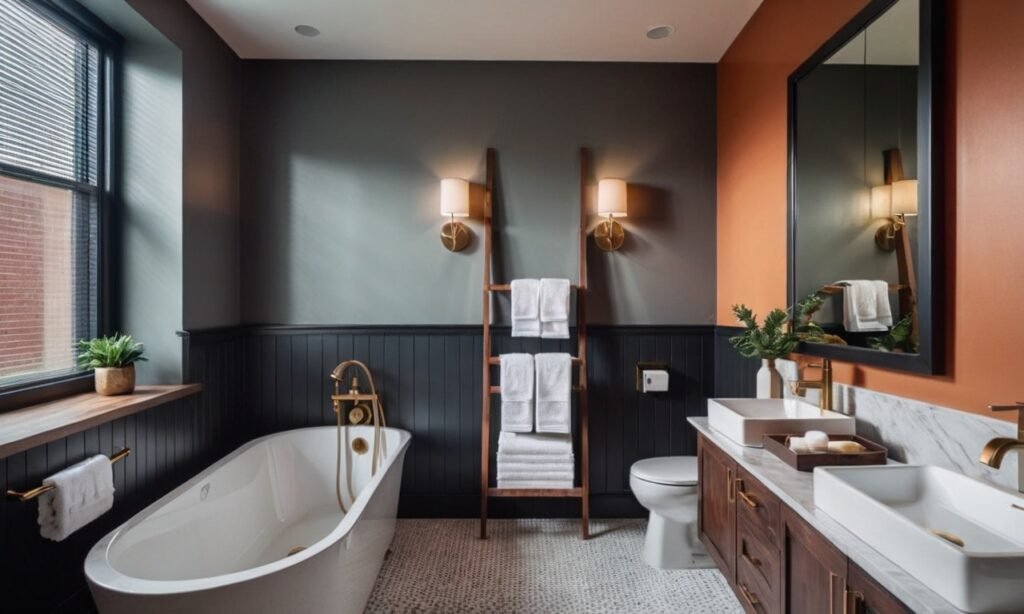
(667, 486)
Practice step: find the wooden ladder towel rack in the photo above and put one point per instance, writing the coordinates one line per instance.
(582, 492)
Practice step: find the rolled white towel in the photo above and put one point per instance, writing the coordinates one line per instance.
(82, 493)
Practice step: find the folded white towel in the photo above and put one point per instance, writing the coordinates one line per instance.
(81, 494)
(526, 308)
(566, 466)
(534, 444)
(861, 303)
(517, 386)
(554, 308)
(534, 459)
(535, 483)
(553, 390)
(534, 475)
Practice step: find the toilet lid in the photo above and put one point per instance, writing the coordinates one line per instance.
(670, 470)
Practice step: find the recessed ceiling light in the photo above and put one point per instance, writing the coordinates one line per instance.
(658, 32)
(309, 31)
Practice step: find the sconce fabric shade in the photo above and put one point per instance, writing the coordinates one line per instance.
(904, 197)
(454, 198)
(611, 198)
(881, 201)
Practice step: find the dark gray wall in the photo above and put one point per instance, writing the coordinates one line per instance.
(846, 117)
(341, 168)
(211, 75)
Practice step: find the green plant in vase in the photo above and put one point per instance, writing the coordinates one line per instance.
(113, 360)
(769, 342)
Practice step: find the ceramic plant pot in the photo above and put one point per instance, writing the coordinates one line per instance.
(769, 381)
(111, 381)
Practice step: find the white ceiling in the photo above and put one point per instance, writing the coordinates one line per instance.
(575, 30)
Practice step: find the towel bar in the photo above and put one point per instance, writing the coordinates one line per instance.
(35, 492)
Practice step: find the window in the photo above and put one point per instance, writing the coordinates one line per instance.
(53, 80)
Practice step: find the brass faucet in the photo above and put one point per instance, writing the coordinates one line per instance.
(824, 384)
(994, 451)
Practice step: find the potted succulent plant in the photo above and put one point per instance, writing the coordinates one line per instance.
(113, 360)
(768, 342)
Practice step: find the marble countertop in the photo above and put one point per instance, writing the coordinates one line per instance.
(796, 489)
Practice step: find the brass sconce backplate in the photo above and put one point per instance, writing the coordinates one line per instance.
(885, 237)
(454, 236)
(609, 235)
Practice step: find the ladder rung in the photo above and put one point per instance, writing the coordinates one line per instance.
(496, 360)
(497, 389)
(508, 287)
(534, 492)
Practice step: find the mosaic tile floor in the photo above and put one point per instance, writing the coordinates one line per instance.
(537, 566)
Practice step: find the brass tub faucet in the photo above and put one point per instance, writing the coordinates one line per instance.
(994, 451)
(824, 384)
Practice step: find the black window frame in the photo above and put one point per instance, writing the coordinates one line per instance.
(75, 18)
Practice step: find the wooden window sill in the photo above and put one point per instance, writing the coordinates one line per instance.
(35, 425)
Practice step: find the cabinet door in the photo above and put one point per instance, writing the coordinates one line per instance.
(718, 506)
(814, 571)
(868, 597)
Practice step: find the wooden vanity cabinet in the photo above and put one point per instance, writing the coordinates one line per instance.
(814, 571)
(868, 597)
(772, 558)
(717, 511)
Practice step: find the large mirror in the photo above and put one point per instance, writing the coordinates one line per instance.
(865, 209)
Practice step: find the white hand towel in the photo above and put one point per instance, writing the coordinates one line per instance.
(535, 483)
(534, 459)
(517, 381)
(526, 308)
(535, 444)
(553, 390)
(554, 308)
(883, 309)
(860, 306)
(534, 475)
(82, 493)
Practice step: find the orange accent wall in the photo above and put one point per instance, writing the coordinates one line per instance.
(984, 174)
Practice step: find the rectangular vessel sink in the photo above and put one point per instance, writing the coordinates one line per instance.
(918, 517)
(745, 421)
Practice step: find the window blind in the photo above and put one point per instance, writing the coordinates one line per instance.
(50, 171)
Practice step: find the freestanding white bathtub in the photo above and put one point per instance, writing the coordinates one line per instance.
(219, 543)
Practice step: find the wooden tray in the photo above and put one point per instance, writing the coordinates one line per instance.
(873, 455)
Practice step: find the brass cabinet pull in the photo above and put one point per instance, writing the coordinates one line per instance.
(750, 499)
(730, 493)
(749, 597)
(751, 560)
(852, 601)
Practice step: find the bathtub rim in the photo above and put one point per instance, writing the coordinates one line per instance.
(99, 571)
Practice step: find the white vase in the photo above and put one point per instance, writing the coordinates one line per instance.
(769, 381)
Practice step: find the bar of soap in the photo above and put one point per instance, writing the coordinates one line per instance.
(845, 447)
(817, 441)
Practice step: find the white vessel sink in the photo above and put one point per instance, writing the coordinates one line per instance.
(896, 509)
(745, 421)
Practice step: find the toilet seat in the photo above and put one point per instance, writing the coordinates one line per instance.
(667, 470)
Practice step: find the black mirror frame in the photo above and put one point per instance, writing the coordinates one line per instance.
(931, 220)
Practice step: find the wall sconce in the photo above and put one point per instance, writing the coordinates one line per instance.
(899, 200)
(611, 202)
(454, 203)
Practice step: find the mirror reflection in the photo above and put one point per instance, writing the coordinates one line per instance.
(856, 192)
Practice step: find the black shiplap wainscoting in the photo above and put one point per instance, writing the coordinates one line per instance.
(430, 378)
(735, 376)
(169, 443)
